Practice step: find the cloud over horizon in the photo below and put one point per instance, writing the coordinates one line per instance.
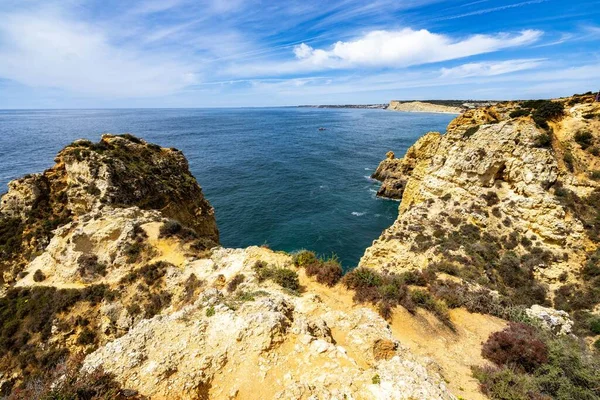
(408, 47)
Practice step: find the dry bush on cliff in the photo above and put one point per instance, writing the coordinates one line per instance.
(327, 272)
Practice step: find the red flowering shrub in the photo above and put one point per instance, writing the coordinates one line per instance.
(516, 345)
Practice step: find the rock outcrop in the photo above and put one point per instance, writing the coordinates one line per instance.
(119, 171)
(556, 321)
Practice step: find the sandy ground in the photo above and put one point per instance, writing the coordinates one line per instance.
(455, 352)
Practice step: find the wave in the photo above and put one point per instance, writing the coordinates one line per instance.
(358, 214)
(373, 190)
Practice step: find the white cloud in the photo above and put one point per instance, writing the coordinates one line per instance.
(491, 68)
(48, 50)
(408, 47)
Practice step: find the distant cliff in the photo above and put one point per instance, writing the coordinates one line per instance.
(419, 106)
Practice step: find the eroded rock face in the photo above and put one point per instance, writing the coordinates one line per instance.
(394, 172)
(119, 171)
(489, 181)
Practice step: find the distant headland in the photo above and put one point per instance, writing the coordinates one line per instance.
(432, 106)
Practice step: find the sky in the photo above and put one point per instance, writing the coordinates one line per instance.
(246, 53)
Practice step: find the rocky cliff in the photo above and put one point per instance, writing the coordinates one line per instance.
(118, 172)
(508, 197)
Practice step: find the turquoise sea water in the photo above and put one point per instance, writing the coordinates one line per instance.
(271, 175)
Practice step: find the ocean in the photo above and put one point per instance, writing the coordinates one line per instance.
(273, 177)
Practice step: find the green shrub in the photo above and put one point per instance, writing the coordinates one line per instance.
(304, 258)
(327, 272)
(86, 336)
(192, 283)
(414, 277)
(540, 122)
(587, 209)
(11, 231)
(151, 273)
(376, 380)
(549, 110)
(542, 140)
(491, 198)
(284, 277)
(570, 371)
(591, 268)
(471, 131)
(131, 138)
(427, 301)
(27, 313)
(584, 139)
(445, 267)
(38, 276)
(173, 228)
(133, 309)
(569, 160)
(573, 297)
(133, 251)
(235, 282)
(210, 311)
(362, 278)
(535, 104)
(383, 290)
(521, 112)
(156, 302)
(66, 381)
(89, 267)
(506, 384)
(595, 326)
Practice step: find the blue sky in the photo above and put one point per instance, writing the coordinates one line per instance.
(218, 53)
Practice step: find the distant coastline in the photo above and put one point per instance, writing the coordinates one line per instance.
(427, 106)
(369, 106)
